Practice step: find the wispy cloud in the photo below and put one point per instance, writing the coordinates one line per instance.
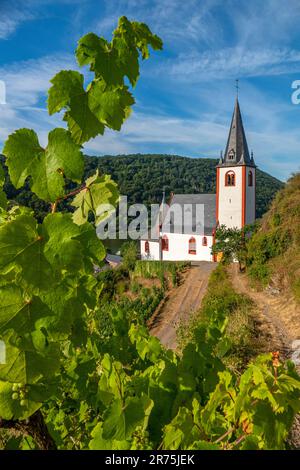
(232, 63)
(11, 16)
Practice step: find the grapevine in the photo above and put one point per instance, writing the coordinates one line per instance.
(61, 386)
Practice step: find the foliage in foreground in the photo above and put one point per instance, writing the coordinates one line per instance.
(61, 386)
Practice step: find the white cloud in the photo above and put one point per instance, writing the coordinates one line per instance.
(232, 63)
(12, 15)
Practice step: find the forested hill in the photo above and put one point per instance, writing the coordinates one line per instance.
(143, 177)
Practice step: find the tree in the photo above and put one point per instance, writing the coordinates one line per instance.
(232, 244)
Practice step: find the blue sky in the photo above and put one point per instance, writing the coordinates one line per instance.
(185, 96)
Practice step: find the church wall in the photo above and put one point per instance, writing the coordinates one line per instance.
(179, 248)
(230, 198)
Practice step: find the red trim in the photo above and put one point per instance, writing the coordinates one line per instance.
(244, 168)
(230, 172)
(217, 195)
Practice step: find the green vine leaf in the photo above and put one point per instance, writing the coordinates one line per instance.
(26, 363)
(18, 311)
(46, 167)
(21, 249)
(121, 420)
(98, 191)
(3, 198)
(68, 92)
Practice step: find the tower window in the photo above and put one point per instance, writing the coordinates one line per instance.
(165, 243)
(230, 178)
(250, 178)
(204, 241)
(231, 155)
(147, 248)
(192, 246)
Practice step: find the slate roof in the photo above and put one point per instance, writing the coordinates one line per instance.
(237, 146)
(209, 203)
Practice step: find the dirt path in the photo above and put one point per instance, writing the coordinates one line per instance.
(182, 301)
(277, 317)
(276, 314)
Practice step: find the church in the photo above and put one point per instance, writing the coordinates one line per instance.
(233, 205)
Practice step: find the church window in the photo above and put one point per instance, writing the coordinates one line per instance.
(165, 243)
(250, 178)
(231, 154)
(147, 248)
(230, 178)
(204, 241)
(192, 246)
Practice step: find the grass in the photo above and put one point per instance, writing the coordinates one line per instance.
(219, 300)
(274, 251)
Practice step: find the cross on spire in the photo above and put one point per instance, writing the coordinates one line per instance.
(237, 87)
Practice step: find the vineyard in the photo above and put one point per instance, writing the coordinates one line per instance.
(81, 370)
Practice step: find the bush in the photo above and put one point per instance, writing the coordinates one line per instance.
(129, 252)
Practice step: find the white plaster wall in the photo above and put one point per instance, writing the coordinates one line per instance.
(250, 198)
(230, 198)
(179, 248)
(154, 250)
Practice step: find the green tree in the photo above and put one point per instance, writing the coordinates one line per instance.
(232, 244)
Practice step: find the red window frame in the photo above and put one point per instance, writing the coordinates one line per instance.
(192, 246)
(165, 243)
(230, 178)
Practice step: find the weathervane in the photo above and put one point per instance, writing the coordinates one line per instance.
(237, 87)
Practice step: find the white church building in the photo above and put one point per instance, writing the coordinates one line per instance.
(233, 205)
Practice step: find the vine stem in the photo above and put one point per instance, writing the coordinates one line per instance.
(35, 427)
(66, 196)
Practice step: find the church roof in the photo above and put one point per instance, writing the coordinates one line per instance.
(209, 203)
(237, 152)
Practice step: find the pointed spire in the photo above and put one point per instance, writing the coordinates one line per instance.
(237, 152)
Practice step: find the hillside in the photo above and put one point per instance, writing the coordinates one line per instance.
(274, 251)
(143, 177)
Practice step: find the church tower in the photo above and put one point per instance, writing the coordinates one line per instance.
(236, 178)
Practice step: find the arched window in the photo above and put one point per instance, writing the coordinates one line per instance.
(204, 241)
(165, 243)
(192, 246)
(230, 178)
(231, 154)
(250, 178)
(147, 248)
